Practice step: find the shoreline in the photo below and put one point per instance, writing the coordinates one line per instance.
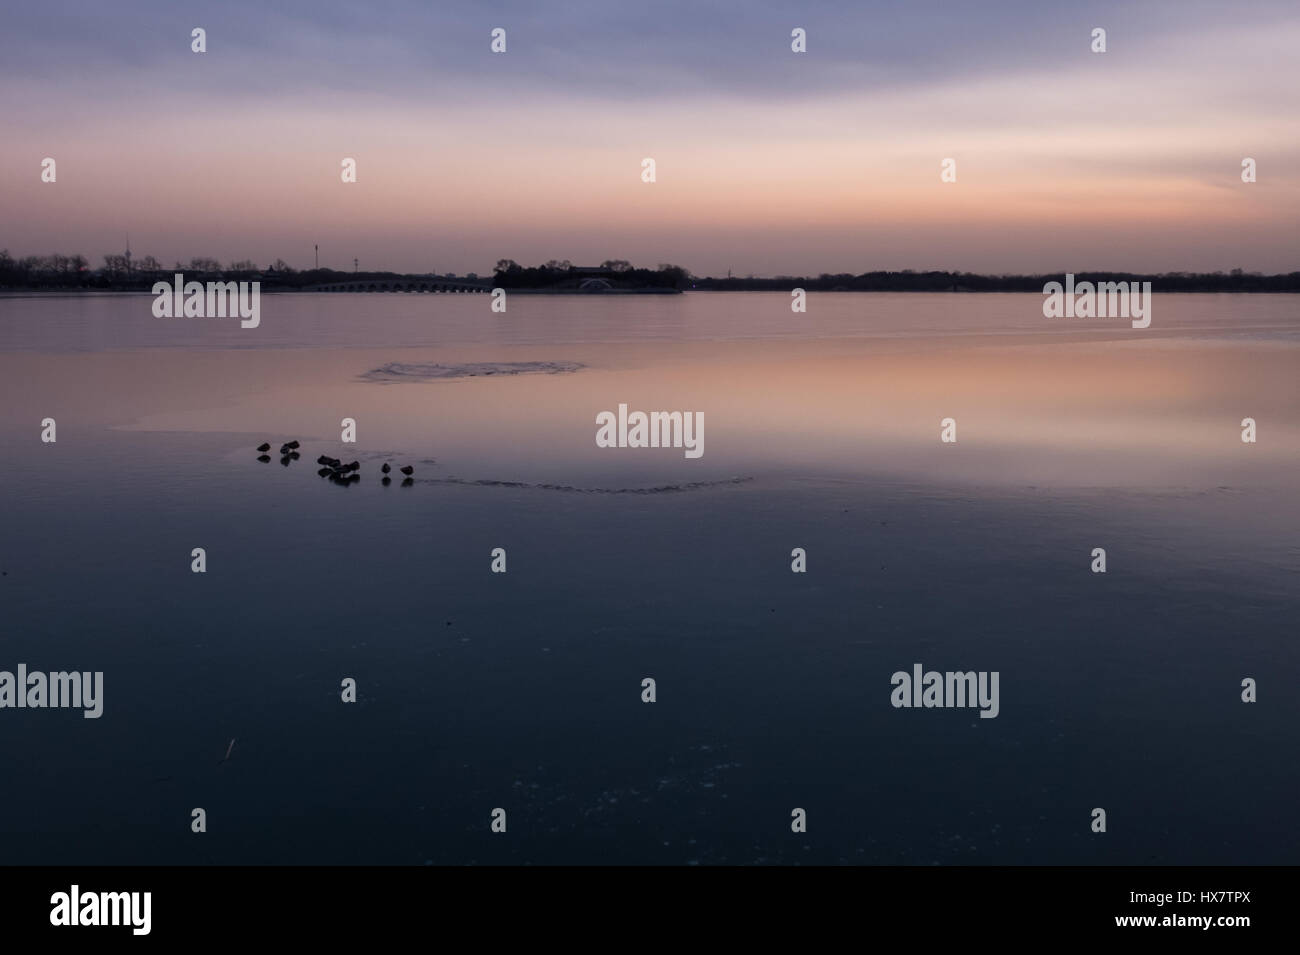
(79, 291)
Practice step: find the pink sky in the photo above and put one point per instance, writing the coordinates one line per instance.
(1090, 161)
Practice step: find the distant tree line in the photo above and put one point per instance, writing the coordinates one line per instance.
(118, 271)
(60, 271)
(122, 274)
(561, 274)
(910, 281)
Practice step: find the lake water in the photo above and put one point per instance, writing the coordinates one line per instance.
(523, 690)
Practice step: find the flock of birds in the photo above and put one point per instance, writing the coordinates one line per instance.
(333, 468)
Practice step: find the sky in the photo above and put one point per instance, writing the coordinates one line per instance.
(768, 162)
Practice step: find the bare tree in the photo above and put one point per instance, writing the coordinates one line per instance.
(681, 277)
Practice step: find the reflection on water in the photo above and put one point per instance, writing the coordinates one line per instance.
(522, 689)
(320, 320)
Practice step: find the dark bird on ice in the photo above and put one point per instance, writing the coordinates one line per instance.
(407, 470)
(264, 447)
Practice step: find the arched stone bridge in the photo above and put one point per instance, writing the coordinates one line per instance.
(401, 285)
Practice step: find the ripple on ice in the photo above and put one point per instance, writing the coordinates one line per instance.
(397, 371)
